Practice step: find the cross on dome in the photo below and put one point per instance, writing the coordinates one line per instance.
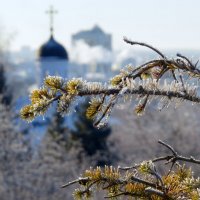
(51, 12)
(52, 48)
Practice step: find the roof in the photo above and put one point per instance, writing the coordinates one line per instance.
(52, 49)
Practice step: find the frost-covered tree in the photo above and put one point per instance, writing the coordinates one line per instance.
(58, 131)
(92, 141)
(15, 153)
(144, 85)
(6, 96)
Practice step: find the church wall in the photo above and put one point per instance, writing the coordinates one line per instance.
(52, 67)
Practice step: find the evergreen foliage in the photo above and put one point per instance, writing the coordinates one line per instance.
(6, 96)
(92, 140)
(141, 84)
(89, 141)
(58, 130)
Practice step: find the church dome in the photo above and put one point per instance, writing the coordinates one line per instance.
(52, 49)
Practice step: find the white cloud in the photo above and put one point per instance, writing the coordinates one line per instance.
(84, 54)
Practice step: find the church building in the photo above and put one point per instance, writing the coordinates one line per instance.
(52, 56)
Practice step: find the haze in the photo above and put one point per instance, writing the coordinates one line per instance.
(166, 24)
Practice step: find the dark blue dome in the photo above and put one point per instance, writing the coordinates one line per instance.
(52, 49)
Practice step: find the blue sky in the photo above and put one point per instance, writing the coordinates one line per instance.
(173, 24)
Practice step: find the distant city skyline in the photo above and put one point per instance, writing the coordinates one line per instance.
(171, 24)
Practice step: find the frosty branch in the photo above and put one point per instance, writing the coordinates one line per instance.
(142, 181)
(164, 79)
(142, 84)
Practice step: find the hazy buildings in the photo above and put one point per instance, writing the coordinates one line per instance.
(94, 37)
(96, 54)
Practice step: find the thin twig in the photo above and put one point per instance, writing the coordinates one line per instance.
(169, 158)
(168, 146)
(75, 181)
(144, 44)
(184, 57)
